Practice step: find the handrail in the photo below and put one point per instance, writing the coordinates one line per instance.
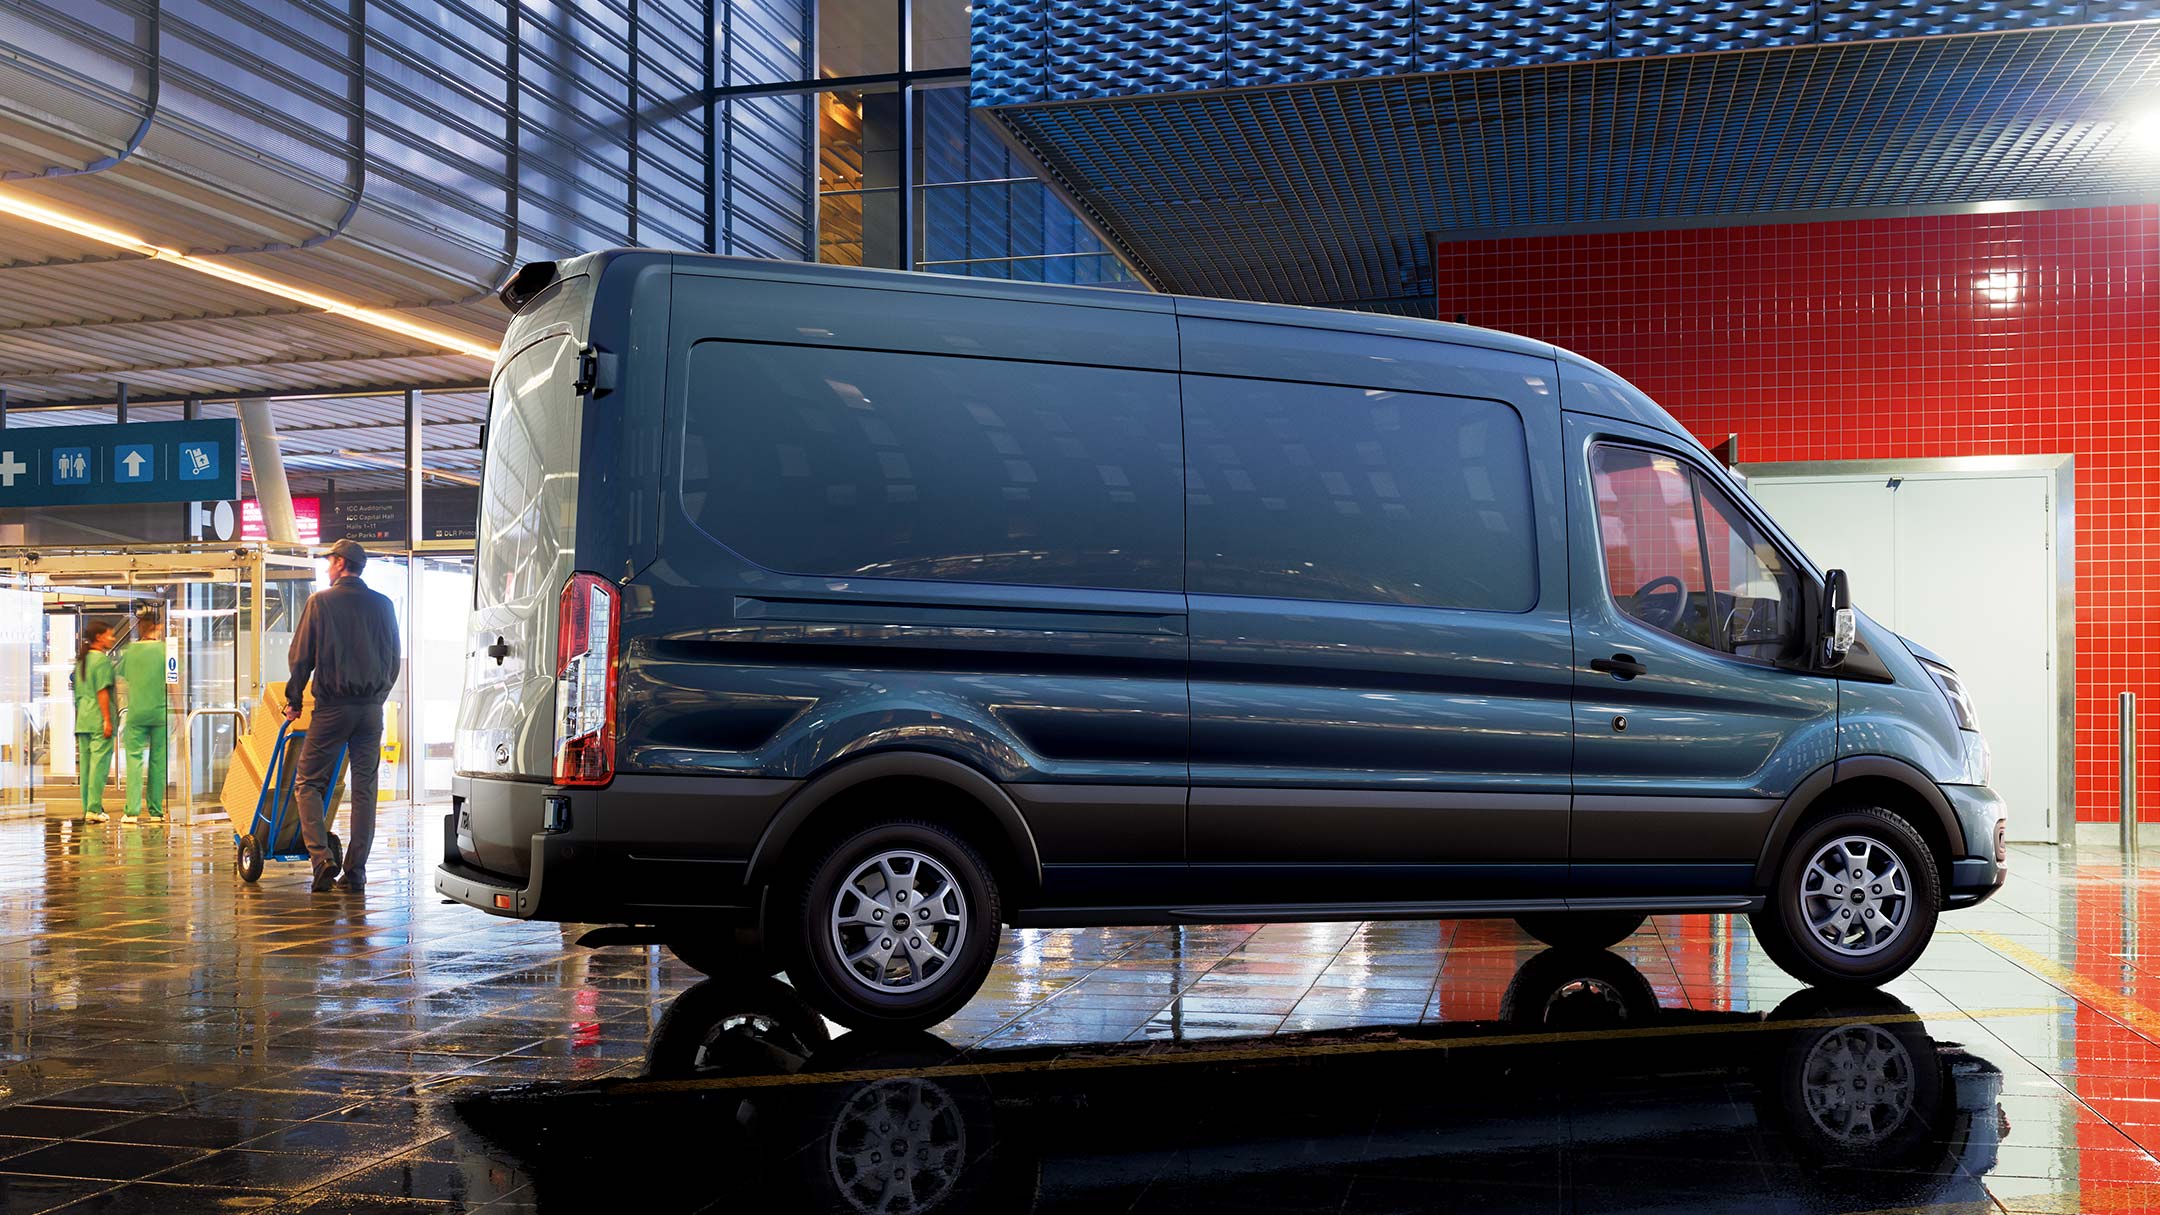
(187, 720)
(189, 793)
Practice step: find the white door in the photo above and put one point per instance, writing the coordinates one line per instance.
(1963, 564)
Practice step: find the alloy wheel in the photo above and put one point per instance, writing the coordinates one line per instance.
(898, 921)
(1855, 896)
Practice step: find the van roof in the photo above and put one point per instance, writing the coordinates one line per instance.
(1092, 297)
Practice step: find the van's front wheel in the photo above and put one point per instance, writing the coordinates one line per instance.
(1855, 902)
(897, 927)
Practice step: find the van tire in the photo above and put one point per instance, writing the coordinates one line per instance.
(847, 881)
(1783, 925)
(1581, 929)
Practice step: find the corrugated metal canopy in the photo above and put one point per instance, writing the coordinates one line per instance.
(1332, 191)
(392, 157)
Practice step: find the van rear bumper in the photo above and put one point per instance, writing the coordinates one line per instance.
(640, 850)
(503, 896)
(508, 863)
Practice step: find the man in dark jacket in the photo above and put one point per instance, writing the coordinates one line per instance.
(348, 642)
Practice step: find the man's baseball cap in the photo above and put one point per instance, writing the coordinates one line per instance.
(348, 549)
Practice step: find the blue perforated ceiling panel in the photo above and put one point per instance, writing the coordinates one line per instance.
(1329, 190)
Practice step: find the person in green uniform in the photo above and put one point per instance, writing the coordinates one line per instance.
(94, 709)
(142, 669)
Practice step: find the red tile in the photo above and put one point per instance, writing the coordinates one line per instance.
(2014, 333)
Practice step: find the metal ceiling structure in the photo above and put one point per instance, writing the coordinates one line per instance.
(1318, 164)
(391, 156)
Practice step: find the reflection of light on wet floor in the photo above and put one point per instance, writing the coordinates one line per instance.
(145, 992)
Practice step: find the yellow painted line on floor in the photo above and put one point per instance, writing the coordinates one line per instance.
(1972, 1207)
(2145, 1021)
(2100, 1198)
(1281, 1052)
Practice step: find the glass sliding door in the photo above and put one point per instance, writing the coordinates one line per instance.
(445, 595)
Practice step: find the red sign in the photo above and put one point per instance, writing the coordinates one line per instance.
(307, 520)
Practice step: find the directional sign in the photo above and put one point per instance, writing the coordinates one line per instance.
(134, 462)
(125, 462)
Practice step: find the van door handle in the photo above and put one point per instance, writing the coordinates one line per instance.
(1619, 666)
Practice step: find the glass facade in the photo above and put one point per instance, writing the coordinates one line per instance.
(905, 174)
(829, 130)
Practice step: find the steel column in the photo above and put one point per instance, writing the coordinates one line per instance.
(415, 468)
(2126, 776)
(266, 467)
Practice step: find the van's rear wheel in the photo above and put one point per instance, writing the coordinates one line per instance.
(1855, 901)
(896, 928)
(1581, 929)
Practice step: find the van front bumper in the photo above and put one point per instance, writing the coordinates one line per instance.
(1984, 818)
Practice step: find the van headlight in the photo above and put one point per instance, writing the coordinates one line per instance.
(1953, 690)
(1979, 761)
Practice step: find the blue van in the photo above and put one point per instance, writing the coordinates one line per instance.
(832, 619)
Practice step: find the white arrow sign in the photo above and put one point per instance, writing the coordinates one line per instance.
(9, 468)
(134, 462)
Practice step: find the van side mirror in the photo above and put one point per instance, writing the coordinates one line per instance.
(1839, 626)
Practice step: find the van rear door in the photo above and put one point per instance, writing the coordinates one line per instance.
(527, 544)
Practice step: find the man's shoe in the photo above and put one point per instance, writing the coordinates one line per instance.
(129, 820)
(352, 884)
(325, 877)
(97, 816)
(157, 816)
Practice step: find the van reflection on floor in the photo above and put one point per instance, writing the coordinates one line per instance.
(1586, 1094)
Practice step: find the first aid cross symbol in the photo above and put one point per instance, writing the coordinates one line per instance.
(10, 467)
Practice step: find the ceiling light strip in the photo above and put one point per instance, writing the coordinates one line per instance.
(22, 208)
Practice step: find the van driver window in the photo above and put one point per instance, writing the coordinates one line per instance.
(1679, 556)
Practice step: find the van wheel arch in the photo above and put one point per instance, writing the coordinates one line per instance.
(1865, 780)
(937, 789)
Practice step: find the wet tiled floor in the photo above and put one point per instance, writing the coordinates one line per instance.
(174, 1040)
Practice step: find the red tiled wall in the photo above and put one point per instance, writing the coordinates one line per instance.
(2013, 333)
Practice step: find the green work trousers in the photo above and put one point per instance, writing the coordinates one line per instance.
(134, 741)
(93, 767)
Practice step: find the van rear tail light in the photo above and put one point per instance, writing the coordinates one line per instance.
(585, 682)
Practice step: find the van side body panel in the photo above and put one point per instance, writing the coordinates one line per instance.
(619, 485)
(1370, 750)
(1679, 772)
(732, 668)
